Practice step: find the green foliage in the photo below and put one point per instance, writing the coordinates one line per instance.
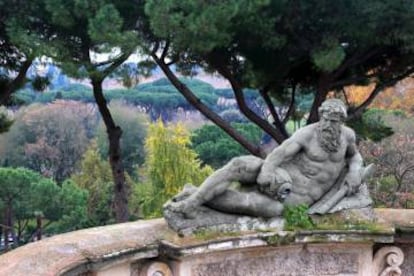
(164, 85)
(208, 234)
(15, 183)
(72, 206)
(23, 38)
(216, 148)
(161, 96)
(5, 120)
(329, 56)
(297, 217)
(98, 26)
(351, 222)
(95, 176)
(26, 194)
(371, 125)
(211, 24)
(170, 164)
(142, 203)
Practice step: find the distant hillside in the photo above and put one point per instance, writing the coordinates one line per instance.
(58, 79)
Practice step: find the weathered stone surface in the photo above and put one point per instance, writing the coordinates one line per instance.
(85, 249)
(328, 259)
(208, 219)
(408, 265)
(364, 215)
(344, 236)
(396, 217)
(282, 264)
(359, 200)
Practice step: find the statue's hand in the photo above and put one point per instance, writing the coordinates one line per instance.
(266, 184)
(353, 181)
(265, 179)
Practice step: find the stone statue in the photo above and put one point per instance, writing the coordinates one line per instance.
(319, 165)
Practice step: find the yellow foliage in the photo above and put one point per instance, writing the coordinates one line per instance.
(170, 163)
(400, 96)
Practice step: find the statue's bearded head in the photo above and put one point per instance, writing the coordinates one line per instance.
(332, 114)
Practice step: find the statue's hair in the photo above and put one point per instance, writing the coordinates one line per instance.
(333, 107)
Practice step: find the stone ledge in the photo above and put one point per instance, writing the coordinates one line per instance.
(343, 236)
(183, 248)
(85, 249)
(102, 247)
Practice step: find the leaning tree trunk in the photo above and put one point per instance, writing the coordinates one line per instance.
(16, 83)
(207, 112)
(8, 223)
(114, 133)
(320, 96)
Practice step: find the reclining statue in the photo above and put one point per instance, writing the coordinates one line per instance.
(319, 165)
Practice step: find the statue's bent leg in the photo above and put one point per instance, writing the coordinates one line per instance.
(244, 169)
(246, 203)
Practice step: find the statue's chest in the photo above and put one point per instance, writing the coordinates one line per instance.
(315, 152)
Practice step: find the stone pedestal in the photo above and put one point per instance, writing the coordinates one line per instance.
(310, 260)
(311, 253)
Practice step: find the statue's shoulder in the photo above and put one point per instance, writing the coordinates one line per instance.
(349, 133)
(305, 133)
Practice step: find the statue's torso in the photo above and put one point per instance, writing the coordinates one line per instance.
(314, 171)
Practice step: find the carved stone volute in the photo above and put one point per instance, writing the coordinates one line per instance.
(387, 261)
(156, 269)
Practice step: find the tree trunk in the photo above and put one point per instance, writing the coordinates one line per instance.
(114, 132)
(5, 229)
(39, 227)
(8, 225)
(321, 93)
(16, 83)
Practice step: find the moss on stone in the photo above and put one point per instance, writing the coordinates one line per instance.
(278, 240)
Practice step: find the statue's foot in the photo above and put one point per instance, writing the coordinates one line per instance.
(183, 207)
(188, 190)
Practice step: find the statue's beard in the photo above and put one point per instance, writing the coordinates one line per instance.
(329, 138)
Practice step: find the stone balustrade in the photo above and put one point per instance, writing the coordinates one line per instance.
(149, 248)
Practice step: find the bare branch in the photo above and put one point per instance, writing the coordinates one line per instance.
(239, 95)
(155, 48)
(115, 64)
(345, 96)
(291, 107)
(277, 122)
(165, 50)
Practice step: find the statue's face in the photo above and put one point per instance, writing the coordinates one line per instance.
(329, 132)
(330, 123)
